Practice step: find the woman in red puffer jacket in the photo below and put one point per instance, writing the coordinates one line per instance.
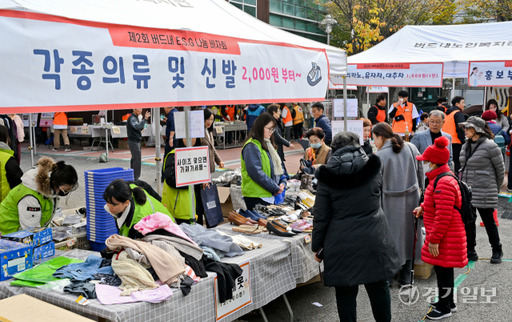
(445, 244)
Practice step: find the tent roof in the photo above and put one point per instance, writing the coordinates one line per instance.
(209, 16)
(454, 45)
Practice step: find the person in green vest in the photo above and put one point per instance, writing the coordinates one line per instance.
(10, 172)
(262, 168)
(130, 201)
(32, 203)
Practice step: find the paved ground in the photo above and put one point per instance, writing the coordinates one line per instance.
(483, 279)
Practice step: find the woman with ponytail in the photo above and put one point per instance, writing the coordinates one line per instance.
(402, 184)
(130, 201)
(32, 203)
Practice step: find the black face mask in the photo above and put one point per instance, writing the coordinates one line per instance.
(62, 193)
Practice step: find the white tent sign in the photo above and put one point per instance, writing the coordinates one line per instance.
(377, 89)
(192, 166)
(337, 104)
(66, 56)
(490, 73)
(196, 128)
(396, 74)
(355, 126)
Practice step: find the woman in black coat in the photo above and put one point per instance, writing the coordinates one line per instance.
(350, 231)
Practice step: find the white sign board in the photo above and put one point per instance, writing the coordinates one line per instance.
(192, 166)
(241, 294)
(196, 128)
(83, 63)
(337, 105)
(377, 89)
(396, 74)
(355, 126)
(490, 73)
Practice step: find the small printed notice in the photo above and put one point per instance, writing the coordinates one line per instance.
(355, 126)
(196, 127)
(337, 105)
(241, 294)
(192, 166)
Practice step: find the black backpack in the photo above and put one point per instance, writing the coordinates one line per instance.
(467, 212)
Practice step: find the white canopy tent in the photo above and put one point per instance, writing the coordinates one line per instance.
(77, 55)
(453, 45)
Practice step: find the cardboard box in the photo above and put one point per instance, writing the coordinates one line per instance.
(423, 270)
(42, 252)
(225, 201)
(14, 258)
(32, 236)
(15, 309)
(122, 144)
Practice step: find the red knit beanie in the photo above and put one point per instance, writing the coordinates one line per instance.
(489, 115)
(437, 153)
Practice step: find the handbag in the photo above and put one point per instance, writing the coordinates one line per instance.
(211, 205)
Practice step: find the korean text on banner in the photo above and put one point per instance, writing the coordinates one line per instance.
(396, 74)
(241, 294)
(192, 166)
(84, 63)
(337, 105)
(355, 126)
(490, 73)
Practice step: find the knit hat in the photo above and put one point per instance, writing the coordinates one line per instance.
(489, 115)
(437, 153)
(476, 123)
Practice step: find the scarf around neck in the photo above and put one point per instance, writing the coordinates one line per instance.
(276, 160)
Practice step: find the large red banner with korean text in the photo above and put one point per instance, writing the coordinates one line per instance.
(490, 73)
(52, 63)
(396, 74)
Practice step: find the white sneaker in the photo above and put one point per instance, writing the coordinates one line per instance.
(67, 150)
(54, 149)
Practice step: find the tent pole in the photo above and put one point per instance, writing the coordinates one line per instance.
(155, 119)
(189, 144)
(32, 139)
(485, 99)
(345, 126)
(367, 98)
(453, 87)
(106, 133)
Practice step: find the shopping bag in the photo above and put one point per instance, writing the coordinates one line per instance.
(211, 205)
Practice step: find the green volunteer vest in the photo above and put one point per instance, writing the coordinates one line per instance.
(150, 207)
(249, 187)
(9, 216)
(5, 155)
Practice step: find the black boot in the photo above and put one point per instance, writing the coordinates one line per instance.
(497, 254)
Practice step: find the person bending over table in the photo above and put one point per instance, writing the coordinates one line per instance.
(32, 203)
(130, 201)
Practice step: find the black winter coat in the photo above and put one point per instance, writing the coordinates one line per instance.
(349, 223)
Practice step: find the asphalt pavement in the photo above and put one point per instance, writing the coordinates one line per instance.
(484, 292)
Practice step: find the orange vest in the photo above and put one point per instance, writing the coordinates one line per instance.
(60, 118)
(449, 127)
(299, 116)
(381, 115)
(230, 110)
(406, 111)
(288, 117)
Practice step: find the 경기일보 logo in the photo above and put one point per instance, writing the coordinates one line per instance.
(314, 75)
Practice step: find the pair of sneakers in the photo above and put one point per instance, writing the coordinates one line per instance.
(65, 150)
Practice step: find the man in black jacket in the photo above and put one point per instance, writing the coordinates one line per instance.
(134, 128)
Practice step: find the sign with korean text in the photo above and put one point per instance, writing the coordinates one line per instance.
(490, 73)
(83, 63)
(396, 74)
(377, 89)
(337, 106)
(196, 124)
(241, 294)
(192, 166)
(355, 126)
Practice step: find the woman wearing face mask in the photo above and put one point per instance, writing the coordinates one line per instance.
(278, 133)
(482, 168)
(32, 203)
(128, 203)
(318, 152)
(403, 180)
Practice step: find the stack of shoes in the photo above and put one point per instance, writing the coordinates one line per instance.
(301, 226)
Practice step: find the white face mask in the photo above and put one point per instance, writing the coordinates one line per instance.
(428, 167)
